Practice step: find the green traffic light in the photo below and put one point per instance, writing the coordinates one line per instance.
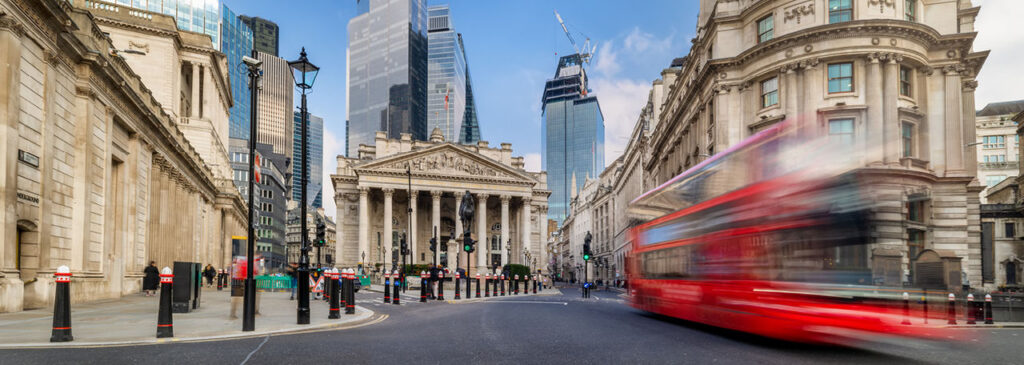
(586, 257)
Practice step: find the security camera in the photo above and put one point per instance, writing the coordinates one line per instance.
(251, 62)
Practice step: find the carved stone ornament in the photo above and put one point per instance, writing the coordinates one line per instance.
(970, 85)
(139, 46)
(12, 25)
(875, 41)
(808, 48)
(797, 12)
(789, 53)
(951, 53)
(447, 162)
(882, 4)
(892, 42)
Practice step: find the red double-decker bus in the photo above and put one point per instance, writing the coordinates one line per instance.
(770, 237)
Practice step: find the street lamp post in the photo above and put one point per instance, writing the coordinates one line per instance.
(305, 74)
(249, 301)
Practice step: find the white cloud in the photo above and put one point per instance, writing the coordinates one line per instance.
(532, 161)
(997, 31)
(640, 41)
(332, 148)
(607, 63)
(621, 101)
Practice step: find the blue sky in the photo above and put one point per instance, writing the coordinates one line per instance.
(512, 48)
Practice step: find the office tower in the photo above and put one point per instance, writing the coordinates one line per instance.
(265, 35)
(275, 105)
(236, 42)
(572, 132)
(470, 125)
(200, 16)
(315, 152)
(446, 80)
(387, 71)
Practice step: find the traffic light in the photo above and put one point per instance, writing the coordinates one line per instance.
(433, 241)
(469, 245)
(586, 246)
(321, 233)
(405, 246)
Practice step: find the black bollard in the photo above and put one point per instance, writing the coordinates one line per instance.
(988, 309)
(952, 309)
(220, 280)
(62, 306)
(457, 281)
(343, 288)
(335, 293)
(423, 287)
(164, 322)
(430, 285)
(516, 284)
(469, 286)
(477, 285)
(535, 284)
(971, 314)
(396, 298)
(440, 285)
(487, 285)
(348, 284)
(501, 283)
(387, 287)
(906, 308)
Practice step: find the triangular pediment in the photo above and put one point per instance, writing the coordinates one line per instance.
(446, 160)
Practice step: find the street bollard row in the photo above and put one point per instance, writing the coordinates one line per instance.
(971, 313)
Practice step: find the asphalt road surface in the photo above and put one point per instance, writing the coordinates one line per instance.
(556, 329)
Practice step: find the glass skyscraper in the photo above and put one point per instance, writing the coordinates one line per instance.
(200, 16)
(446, 80)
(236, 42)
(315, 152)
(387, 71)
(573, 133)
(265, 35)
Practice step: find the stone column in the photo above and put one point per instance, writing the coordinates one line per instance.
(891, 119)
(792, 95)
(970, 134)
(195, 91)
(413, 242)
(504, 229)
(458, 231)
(388, 226)
(481, 232)
(435, 221)
(811, 85)
(339, 231)
(873, 141)
(364, 227)
(542, 217)
(954, 138)
(524, 222)
(10, 97)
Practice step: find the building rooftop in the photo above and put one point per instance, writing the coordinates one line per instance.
(1001, 108)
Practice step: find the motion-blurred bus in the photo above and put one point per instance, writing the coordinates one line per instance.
(769, 237)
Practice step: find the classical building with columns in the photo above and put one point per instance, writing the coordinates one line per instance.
(894, 78)
(97, 175)
(372, 193)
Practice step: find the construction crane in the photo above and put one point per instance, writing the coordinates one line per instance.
(588, 50)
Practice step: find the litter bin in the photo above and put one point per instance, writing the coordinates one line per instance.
(187, 284)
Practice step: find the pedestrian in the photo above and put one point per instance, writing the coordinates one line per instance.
(290, 270)
(152, 279)
(209, 273)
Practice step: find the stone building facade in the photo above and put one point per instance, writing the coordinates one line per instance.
(997, 143)
(373, 202)
(897, 77)
(97, 175)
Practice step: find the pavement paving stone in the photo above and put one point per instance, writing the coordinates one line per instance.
(132, 320)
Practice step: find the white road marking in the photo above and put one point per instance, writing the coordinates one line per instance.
(256, 349)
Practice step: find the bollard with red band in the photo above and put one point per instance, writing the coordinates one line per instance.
(423, 286)
(387, 287)
(350, 292)
(440, 285)
(477, 285)
(535, 284)
(430, 285)
(906, 308)
(952, 309)
(342, 288)
(220, 280)
(501, 283)
(971, 314)
(396, 297)
(62, 306)
(988, 309)
(487, 285)
(457, 280)
(515, 282)
(335, 309)
(164, 321)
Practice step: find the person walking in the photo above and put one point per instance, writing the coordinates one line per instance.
(209, 273)
(151, 280)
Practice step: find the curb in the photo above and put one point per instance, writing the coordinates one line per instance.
(370, 318)
(984, 326)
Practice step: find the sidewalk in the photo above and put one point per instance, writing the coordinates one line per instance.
(132, 320)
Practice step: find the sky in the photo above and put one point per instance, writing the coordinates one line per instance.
(512, 47)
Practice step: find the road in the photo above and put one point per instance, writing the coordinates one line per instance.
(555, 329)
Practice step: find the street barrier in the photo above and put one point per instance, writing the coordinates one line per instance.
(988, 309)
(423, 286)
(469, 286)
(952, 309)
(457, 285)
(477, 285)
(335, 292)
(396, 297)
(906, 308)
(487, 285)
(164, 320)
(387, 287)
(516, 284)
(430, 287)
(971, 314)
(501, 283)
(62, 306)
(350, 293)
(440, 285)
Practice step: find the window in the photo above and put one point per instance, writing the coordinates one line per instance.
(915, 243)
(840, 11)
(995, 158)
(905, 81)
(915, 210)
(909, 10)
(993, 141)
(907, 136)
(840, 131)
(770, 92)
(992, 180)
(766, 29)
(1008, 230)
(840, 77)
